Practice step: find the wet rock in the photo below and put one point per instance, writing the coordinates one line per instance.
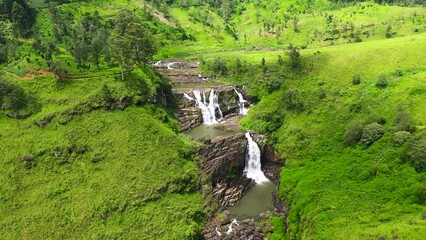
(180, 72)
(228, 193)
(223, 157)
(231, 123)
(269, 154)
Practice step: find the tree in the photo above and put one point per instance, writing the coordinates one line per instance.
(57, 68)
(131, 44)
(293, 53)
(98, 45)
(18, 13)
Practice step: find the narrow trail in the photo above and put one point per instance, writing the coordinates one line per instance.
(32, 73)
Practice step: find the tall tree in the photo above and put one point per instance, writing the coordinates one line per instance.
(131, 45)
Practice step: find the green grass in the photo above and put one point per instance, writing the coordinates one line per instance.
(102, 174)
(250, 22)
(131, 190)
(333, 191)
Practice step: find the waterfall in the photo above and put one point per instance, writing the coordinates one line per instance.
(234, 222)
(241, 103)
(169, 65)
(252, 169)
(214, 104)
(208, 110)
(188, 97)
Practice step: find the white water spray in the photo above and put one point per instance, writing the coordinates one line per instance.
(208, 109)
(234, 222)
(188, 97)
(242, 103)
(169, 65)
(253, 164)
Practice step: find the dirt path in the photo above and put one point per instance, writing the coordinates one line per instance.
(32, 73)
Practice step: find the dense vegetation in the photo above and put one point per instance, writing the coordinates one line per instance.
(338, 87)
(82, 115)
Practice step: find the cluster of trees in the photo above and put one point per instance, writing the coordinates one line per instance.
(123, 41)
(405, 137)
(8, 42)
(20, 14)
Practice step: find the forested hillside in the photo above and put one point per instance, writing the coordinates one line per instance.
(92, 148)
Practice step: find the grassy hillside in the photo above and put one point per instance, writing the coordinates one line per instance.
(80, 156)
(337, 190)
(95, 175)
(86, 154)
(255, 25)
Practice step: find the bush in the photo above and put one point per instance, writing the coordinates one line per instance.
(370, 134)
(356, 80)
(421, 197)
(218, 66)
(382, 81)
(400, 137)
(404, 122)
(12, 97)
(292, 101)
(322, 94)
(353, 133)
(293, 53)
(415, 153)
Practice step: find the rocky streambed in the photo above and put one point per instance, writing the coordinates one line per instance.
(210, 113)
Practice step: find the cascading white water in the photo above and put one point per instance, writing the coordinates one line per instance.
(214, 104)
(253, 165)
(241, 103)
(234, 222)
(208, 110)
(188, 97)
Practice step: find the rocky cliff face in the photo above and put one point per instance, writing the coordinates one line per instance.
(223, 156)
(223, 165)
(188, 115)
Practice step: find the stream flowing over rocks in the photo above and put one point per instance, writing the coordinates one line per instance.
(233, 162)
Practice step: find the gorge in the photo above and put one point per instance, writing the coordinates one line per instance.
(232, 160)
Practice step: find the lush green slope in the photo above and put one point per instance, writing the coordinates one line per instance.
(254, 25)
(75, 166)
(336, 191)
(83, 153)
(101, 175)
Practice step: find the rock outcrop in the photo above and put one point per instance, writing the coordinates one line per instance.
(244, 229)
(188, 115)
(229, 192)
(223, 156)
(180, 72)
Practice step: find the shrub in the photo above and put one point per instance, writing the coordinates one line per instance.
(420, 194)
(400, 137)
(356, 80)
(404, 122)
(370, 134)
(218, 66)
(322, 94)
(382, 81)
(293, 53)
(415, 152)
(353, 133)
(12, 97)
(292, 101)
